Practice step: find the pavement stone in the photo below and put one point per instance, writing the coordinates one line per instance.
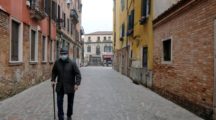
(104, 94)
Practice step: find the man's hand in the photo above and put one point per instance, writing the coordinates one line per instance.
(53, 83)
(76, 87)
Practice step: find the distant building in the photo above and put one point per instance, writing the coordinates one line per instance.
(98, 48)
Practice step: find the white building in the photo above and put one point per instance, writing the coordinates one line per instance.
(98, 47)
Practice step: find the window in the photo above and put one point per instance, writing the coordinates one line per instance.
(46, 2)
(51, 51)
(34, 46)
(64, 20)
(145, 11)
(167, 50)
(145, 57)
(63, 43)
(122, 4)
(54, 10)
(89, 38)
(98, 50)
(109, 38)
(57, 49)
(44, 49)
(98, 40)
(89, 49)
(71, 28)
(16, 41)
(104, 38)
(59, 11)
(68, 25)
(78, 55)
(122, 32)
(130, 23)
(106, 48)
(110, 48)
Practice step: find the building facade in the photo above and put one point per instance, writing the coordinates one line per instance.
(184, 55)
(69, 28)
(133, 39)
(29, 44)
(98, 48)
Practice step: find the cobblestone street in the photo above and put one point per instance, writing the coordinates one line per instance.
(104, 94)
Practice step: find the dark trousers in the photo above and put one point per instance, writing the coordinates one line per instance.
(60, 100)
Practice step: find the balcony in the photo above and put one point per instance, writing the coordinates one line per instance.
(36, 11)
(74, 16)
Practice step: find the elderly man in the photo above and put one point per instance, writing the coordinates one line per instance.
(69, 79)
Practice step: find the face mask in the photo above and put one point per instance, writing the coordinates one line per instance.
(64, 57)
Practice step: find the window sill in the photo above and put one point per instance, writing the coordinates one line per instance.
(43, 62)
(143, 20)
(130, 32)
(15, 63)
(33, 62)
(51, 62)
(167, 62)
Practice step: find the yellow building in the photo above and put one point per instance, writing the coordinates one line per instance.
(133, 39)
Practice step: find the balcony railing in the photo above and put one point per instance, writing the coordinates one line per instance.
(36, 10)
(74, 16)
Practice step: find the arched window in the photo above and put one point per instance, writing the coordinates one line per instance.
(110, 48)
(109, 38)
(98, 50)
(89, 49)
(106, 48)
(104, 38)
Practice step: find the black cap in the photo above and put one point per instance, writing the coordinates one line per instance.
(64, 50)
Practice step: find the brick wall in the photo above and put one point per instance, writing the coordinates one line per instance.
(188, 80)
(17, 77)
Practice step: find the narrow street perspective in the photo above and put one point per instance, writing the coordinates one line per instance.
(104, 95)
(138, 59)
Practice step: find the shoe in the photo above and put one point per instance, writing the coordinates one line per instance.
(69, 118)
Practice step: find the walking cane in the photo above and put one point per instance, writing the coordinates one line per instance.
(53, 86)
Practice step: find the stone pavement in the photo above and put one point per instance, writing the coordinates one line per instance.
(103, 95)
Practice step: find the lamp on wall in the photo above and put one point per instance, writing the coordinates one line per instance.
(28, 3)
(68, 2)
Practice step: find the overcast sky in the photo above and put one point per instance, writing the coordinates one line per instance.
(97, 15)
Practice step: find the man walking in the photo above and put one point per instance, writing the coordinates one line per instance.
(69, 79)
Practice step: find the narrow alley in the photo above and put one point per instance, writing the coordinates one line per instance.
(104, 94)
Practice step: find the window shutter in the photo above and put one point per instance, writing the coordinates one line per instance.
(132, 19)
(33, 35)
(59, 11)
(15, 41)
(145, 57)
(123, 30)
(144, 8)
(47, 7)
(54, 6)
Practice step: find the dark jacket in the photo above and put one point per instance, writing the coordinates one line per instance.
(67, 74)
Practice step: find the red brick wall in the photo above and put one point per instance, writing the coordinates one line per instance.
(188, 80)
(14, 78)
